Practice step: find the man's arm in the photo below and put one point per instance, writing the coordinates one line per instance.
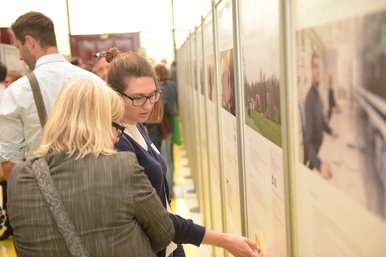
(7, 168)
(12, 139)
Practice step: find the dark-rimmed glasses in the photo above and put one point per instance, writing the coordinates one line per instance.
(141, 100)
(120, 129)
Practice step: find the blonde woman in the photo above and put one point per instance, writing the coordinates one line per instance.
(106, 194)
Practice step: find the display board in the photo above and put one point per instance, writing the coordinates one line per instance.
(259, 29)
(195, 124)
(341, 77)
(212, 123)
(204, 157)
(227, 116)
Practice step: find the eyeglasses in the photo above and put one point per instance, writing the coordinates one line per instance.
(120, 129)
(141, 100)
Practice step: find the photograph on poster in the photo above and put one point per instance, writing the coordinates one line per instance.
(262, 99)
(195, 74)
(227, 81)
(259, 31)
(342, 106)
(210, 79)
(202, 82)
(200, 61)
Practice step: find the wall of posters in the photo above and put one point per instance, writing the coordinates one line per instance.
(336, 179)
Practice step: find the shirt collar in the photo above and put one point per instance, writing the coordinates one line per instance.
(49, 58)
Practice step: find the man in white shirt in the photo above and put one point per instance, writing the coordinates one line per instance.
(20, 136)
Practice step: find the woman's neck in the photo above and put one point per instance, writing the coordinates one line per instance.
(131, 123)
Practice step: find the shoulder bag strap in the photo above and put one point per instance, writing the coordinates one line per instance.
(38, 98)
(52, 197)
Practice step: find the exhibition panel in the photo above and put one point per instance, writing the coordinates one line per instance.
(289, 106)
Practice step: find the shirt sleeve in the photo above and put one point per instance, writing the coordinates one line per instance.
(186, 231)
(11, 126)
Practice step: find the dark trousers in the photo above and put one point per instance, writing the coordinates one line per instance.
(4, 186)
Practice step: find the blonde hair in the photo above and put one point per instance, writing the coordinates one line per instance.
(80, 120)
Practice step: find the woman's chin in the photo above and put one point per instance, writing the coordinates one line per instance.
(143, 118)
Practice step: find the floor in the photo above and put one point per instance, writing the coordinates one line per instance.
(184, 202)
(6, 247)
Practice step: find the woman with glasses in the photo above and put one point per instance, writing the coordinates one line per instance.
(134, 79)
(108, 198)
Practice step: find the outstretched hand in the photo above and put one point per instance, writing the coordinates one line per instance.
(237, 245)
(243, 247)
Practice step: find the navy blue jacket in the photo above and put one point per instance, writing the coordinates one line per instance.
(155, 168)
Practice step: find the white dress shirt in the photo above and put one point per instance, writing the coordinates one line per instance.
(20, 130)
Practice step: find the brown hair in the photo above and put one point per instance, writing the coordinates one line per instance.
(3, 71)
(162, 72)
(12, 76)
(125, 66)
(36, 25)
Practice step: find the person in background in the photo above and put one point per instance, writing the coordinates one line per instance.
(12, 76)
(3, 75)
(173, 71)
(316, 123)
(101, 66)
(8, 230)
(77, 61)
(169, 97)
(106, 194)
(3, 71)
(332, 104)
(133, 77)
(34, 35)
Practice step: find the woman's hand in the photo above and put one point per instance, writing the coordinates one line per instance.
(237, 245)
(241, 246)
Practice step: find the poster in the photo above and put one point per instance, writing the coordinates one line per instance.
(203, 152)
(341, 73)
(227, 116)
(212, 126)
(259, 29)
